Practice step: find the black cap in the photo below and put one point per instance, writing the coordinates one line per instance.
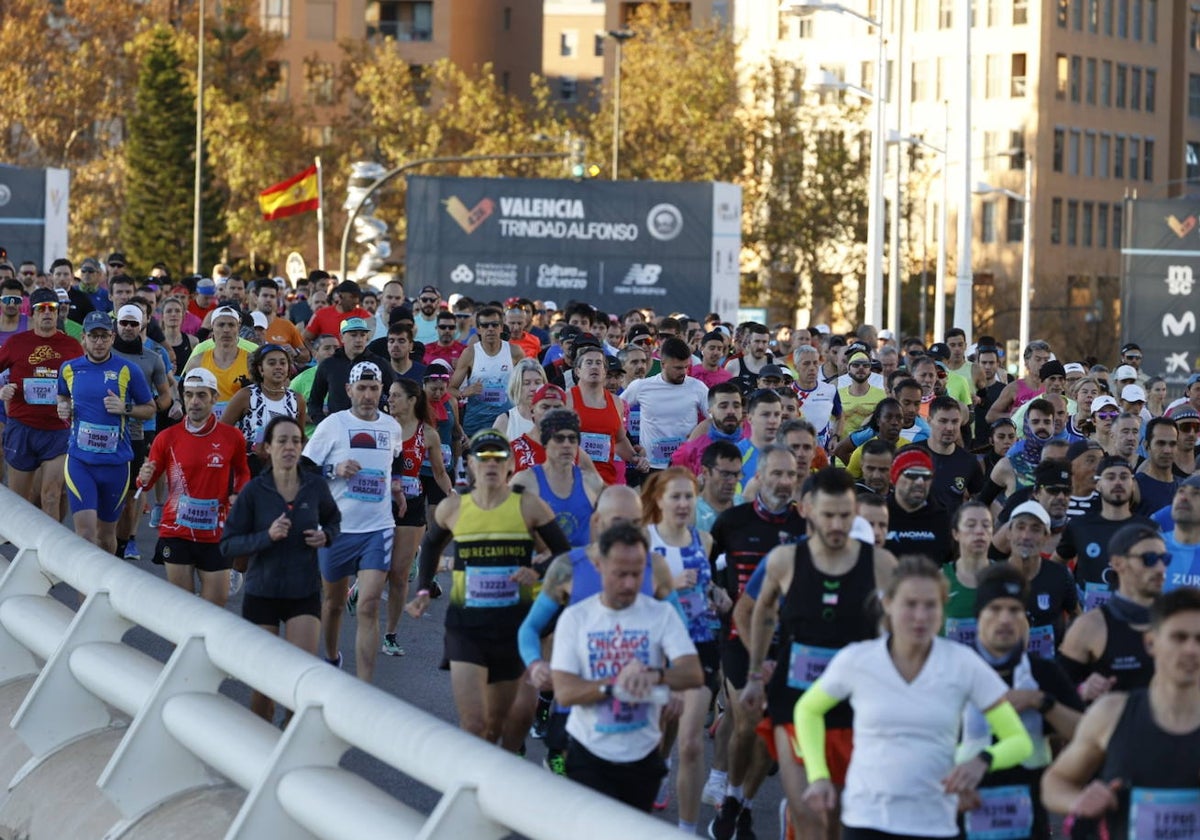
(400, 313)
(569, 333)
(715, 335)
(116, 257)
(1052, 473)
(1110, 461)
(348, 287)
(488, 439)
(614, 365)
(1125, 348)
(637, 331)
(433, 289)
(1130, 535)
(1081, 447)
(940, 351)
(771, 370)
(999, 581)
(1052, 368)
(43, 296)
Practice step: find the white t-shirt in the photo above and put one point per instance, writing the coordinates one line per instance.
(819, 406)
(364, 499)
(668, 414)
(905, 733)
(595, 642)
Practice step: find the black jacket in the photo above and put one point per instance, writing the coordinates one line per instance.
(331, 379)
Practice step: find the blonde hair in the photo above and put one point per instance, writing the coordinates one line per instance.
(517, 377)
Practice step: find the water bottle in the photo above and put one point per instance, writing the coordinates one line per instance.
(659, 695)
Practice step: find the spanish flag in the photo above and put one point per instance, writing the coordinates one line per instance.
(297, 194)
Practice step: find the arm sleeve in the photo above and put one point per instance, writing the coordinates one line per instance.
(554, 538)
(1013, 744)
(1075, 670)
(431, 553)
(809, 720)
(1066, 544)
(990, 491)
(320, 389)
(529, 636)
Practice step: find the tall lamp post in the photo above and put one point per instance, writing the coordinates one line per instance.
(197, 226)
(1026, 200)
(964, 286)
(873, 296)
(620, 36)
(939, 315)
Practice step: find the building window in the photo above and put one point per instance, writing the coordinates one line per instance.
(1108, 17)
(1072, 223)
(1148, 160)
(1119, 158)
(1089, 154)
(1074, 80)
(993, 12)
(1016, 144)
(1102, 225)
(568, 89)
(1152, 21)
(1085, 223)
(1020, 10)
(505, 77)
(277, 16)
(918, 15)
(1056, 221)
(507, 18)
(804, 28)
(598, 45)
(1061, 65)
(1089, 82)
(1073, 152)
(995, 76)
(1135, 88)
(1122, 18)
(1104, 155)
(1059, 143)
(279, 73)
(318, 83)
(405, 20)
(1077, 15)
(1063, 10)
(991, 139)
(945, 14)
(568, 43)
(987, 219)
(1192, 162)
(1194, 95)
(1014, 220)
(919, 84)
(1135, 157)
(1093, 16)
(1118, 214)
(1122, 82)
(939, 81)
(1151, 89)
(317, 135)
(1106, 83)
(1017, 67)
(1137, 19)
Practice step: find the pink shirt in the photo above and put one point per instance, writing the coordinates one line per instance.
(710, 377)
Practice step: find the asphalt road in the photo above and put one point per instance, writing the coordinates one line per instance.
(414, 678)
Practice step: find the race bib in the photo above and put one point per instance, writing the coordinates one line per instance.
(492, 586)
(1095, 595)
(1164, 814)
(367, 485)
(219, 409)
(447, 454)
(1041, 641)
(961, 630)
(615, 716)
(635, 422)
(410, 485)
(197, 514)
(494, 392)
(1006, 814)
(694, 601)
(662, 450)
(95, 438)
(40, 391)
(806, 664)
(596, 445)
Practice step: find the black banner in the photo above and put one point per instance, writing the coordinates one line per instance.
(33, 214)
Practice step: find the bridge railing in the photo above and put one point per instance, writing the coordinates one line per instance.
(185, 735)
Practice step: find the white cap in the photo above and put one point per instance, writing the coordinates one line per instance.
(887, 335)
(260, 319)
(200, 378)
(549, 306)
(1074, 367)
(1031, 508)
(1124, 372)
(453, 299)
(1103, 401)
(862, 531)
(226, 312)
(823, 329)
(130, 312)
(1133, 393)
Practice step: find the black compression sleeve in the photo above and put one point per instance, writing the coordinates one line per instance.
(990, 491)
(431, 553)
(554, 538)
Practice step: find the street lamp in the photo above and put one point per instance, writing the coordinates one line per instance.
(873, 294)
(197, 224)
(939, 294)
(1026, 199)
(620, 36)
(964, 287)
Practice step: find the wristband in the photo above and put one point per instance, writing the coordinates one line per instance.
(756, 676)
(421, 592)
(986, 755)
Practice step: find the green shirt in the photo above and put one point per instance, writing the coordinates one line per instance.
(959, 622)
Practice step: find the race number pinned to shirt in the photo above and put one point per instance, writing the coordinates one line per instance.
(39, 391)
(367, 485)
(492, 586)
(806, 665)
(596, 445)
(1006, 813)
(197, 514)
(93, 437)
(1164, 814)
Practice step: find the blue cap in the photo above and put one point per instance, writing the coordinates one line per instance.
(352, 324)
(97, 320)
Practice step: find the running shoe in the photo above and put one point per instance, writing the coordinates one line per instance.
(131, 550)
(390, 646)
(745, 830)
(236, 579)
(664, 794)
(156, 514)
(336, 663)
(725, 823)
(556, 762)
(785, 822)
(541, 718)
(714, 792)
(352, 599)
(435, 589)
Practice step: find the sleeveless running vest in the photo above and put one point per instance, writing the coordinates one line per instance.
(489, 545)
(573, 513)
(702, 621)
(492, 372)
(262, 408)
(599, 428)
(820, 614)
(1124, 655)
(408, 465)
(585, 578)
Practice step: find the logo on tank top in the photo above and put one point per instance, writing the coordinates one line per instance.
(1043, 601)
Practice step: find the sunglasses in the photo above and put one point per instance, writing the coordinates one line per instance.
(127, 323)
(29, 274)
(10, 300)
(490, 325)
(428, 300)
(462, 315)
(1150, 559)
(564, 437)
(447, 326)
(87, 271)
(1188, 427)
(728, 475)
(1107, 415)
(860, 364)
(1133, 357)
(917, 475)
(122, 265)
(492, 455)
(1057, 490)
(45, 307)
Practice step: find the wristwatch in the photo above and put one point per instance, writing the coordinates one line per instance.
(328, 470)
(986, 755)
(606, 691)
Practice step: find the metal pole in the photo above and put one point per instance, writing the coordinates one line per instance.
(1026, 252)
(321, 217)
(964, 305)
(616, 141)
(197, 226)
(399, 170)
(873, 298)
(894, 277)
(939, 288)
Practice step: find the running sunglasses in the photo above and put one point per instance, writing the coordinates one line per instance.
(492, 455)
(917, 475)
(45, 307)
(1150, 559)
(564, 437)
(443, 377)
(1107, 415)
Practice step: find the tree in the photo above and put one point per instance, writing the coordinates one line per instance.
(157, 218)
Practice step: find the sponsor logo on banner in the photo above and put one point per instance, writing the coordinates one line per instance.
(641, 279)
(664, 222)
(5, 194)
(486, 274)
(561, 277)
(469, 219)
(1181, 228)
(462, 274)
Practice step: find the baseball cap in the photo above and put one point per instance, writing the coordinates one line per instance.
(348, 287)
(1103, 401)
(131, 312)
(823, 329)
(614, 365)
(97, 321)
(259, 319)
(43, 296)
(1124, 372)
(569, 333)
(1190, 481)
(1031, 508)
(205, 287)
(200, 378)
(713, 335)
(1130, 535)
(637, 331)
(90, 262)
(368, 371)
(939, 351)
(1110, 461)
(116, 257)
(887, 335)
(489, 440)
(1133, 393)
(549, 306)
(1074, 367)
(1052, 474)
(771, 370)
(1193, 379)
(433, 290)
(548, 390)
(1051, 368)
(354, 325)
(1132, 345)
(1082, 447)
(227, 312)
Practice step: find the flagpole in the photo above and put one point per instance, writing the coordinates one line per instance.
(320, 218)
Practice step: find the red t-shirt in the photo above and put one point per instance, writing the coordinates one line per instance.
(202, 471)
(527, 453)
(448, 354)
(201, 311)
(328, 320)
(32, 363)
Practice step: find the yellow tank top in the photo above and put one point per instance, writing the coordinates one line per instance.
(227, 378)
(489, 545)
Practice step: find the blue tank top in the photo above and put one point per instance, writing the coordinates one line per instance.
(585, 577)
(574, 512)
(701, 619)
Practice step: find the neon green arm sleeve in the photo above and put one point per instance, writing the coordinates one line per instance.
(1013, 744)
(809, 719)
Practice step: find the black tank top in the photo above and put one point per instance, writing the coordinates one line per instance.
(1144, 757)
(1124, 655)
(820, 614)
